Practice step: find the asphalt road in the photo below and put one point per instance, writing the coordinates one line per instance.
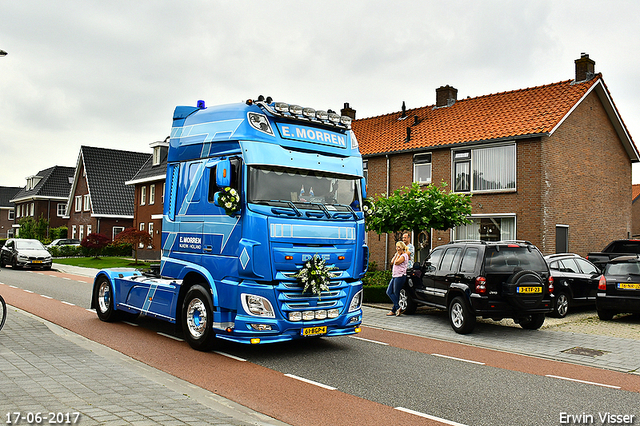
(363, 379)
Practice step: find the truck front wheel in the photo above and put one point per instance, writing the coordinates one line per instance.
(197, 317)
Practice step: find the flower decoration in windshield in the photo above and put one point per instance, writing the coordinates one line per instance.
(229, 200)
(315, 275)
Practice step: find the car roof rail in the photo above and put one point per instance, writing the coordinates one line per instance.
(467, 241)
(514, 242)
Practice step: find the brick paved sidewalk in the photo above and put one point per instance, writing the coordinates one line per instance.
(47, 369)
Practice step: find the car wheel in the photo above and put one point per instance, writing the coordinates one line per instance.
(605, 314)
(197, 319)
(562, 305)
(2, 264)
(15, 264)
(462, 320)
(406, 302)
(103, 300)
(532, 322)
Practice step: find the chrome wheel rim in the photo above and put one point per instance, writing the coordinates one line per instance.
(563, 304)
(456, 315)
(196, 318)
(104, 297)
(402, 300)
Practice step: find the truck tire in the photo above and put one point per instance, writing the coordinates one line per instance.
(197, 319)
(103, 300)
(462, 320)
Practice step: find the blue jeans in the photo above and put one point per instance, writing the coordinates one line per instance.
(393, 291)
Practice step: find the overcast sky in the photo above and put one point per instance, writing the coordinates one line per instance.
(110, 73)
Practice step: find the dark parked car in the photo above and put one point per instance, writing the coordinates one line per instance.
(507, 279)
(619, 288)
(64, 242)
(19, 253)
(575, 280)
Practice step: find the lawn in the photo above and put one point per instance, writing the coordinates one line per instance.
(102, 262)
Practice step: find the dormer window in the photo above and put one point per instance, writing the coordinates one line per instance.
(157, 157)
(32, 181)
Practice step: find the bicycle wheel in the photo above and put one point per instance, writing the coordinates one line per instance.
(3, 312)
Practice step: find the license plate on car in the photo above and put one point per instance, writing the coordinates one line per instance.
(529, 290)
(629, 286)
(36, 261)
(314, 331)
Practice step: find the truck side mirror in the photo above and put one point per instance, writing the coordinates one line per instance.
(223, 173)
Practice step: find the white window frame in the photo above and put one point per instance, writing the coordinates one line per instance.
(88, 230)
(81, 232)
(150, 229)
(420, 162)
(74, 231)
(32, 209)
(87, 202)
(164, 187)
(11, 214)
(114, 233)
(152, 194)
(459, 157)
(61, 209)
(143, 195)
(78, 201)
(497, 216)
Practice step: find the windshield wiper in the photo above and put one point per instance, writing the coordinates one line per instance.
(348, 208)
(288, 203)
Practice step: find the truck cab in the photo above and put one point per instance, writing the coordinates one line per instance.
(231, 264)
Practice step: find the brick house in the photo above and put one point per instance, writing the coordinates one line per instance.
(44, 196)
(149, 198)
(635, 210)
(549, 164)
(99, 201)
(7, 210)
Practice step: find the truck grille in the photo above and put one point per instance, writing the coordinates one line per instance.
(291, 297)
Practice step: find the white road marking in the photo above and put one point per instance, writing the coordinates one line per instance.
(583, 381)
(170, 336)
(369, 340)
(46, 297)
(237, 358)
(67, 303)
(459, 359)
(427, 416)
(302, 379)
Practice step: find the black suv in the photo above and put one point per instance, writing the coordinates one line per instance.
(505, 279)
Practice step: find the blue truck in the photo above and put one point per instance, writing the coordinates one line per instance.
(258, 194)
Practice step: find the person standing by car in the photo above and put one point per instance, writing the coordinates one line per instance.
(406, 239)
(398, 277)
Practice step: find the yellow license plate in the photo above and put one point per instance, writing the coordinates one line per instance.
(314, 331)
(629, 286)
(529, 290)
(36, 261)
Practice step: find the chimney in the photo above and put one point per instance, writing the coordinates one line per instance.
(446, 96)
(585, 68)
(348, 111)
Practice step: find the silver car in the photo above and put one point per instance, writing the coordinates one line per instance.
(19, 253)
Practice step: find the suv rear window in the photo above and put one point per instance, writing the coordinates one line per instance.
(623, 268)
(505, 259)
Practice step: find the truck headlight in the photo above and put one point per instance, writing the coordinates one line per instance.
(257, 306)
(356, 302)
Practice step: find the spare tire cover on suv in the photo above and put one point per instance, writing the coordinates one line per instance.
(524, 289)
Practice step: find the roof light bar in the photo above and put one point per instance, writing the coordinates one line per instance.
(297, 112)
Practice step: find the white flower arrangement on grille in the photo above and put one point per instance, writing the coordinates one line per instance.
(315, 275)
(229, 200)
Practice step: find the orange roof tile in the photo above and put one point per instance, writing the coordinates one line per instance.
(531, 111)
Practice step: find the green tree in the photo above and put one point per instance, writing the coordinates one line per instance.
(418, 209)
(31, 228)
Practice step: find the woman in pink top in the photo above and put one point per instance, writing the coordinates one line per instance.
(398, 277)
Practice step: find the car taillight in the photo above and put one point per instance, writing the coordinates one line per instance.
(602, 283)
(481, 285)
(551, 286)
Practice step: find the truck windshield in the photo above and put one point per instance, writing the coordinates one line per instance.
(310, 189)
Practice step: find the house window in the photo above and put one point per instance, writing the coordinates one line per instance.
(62, 209)
(12, 215)
(32, 209)
(150, 228)
(88, 230)
(73, 231)
(87, 202)
(143, 195)
(141, 229)
(116, 230)
(81, 233)
(365, 171)
(487, 228)
(156, 155)
(163, 188)
(422, 169)
(78, 203)
(485, 169)
(152, 194)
